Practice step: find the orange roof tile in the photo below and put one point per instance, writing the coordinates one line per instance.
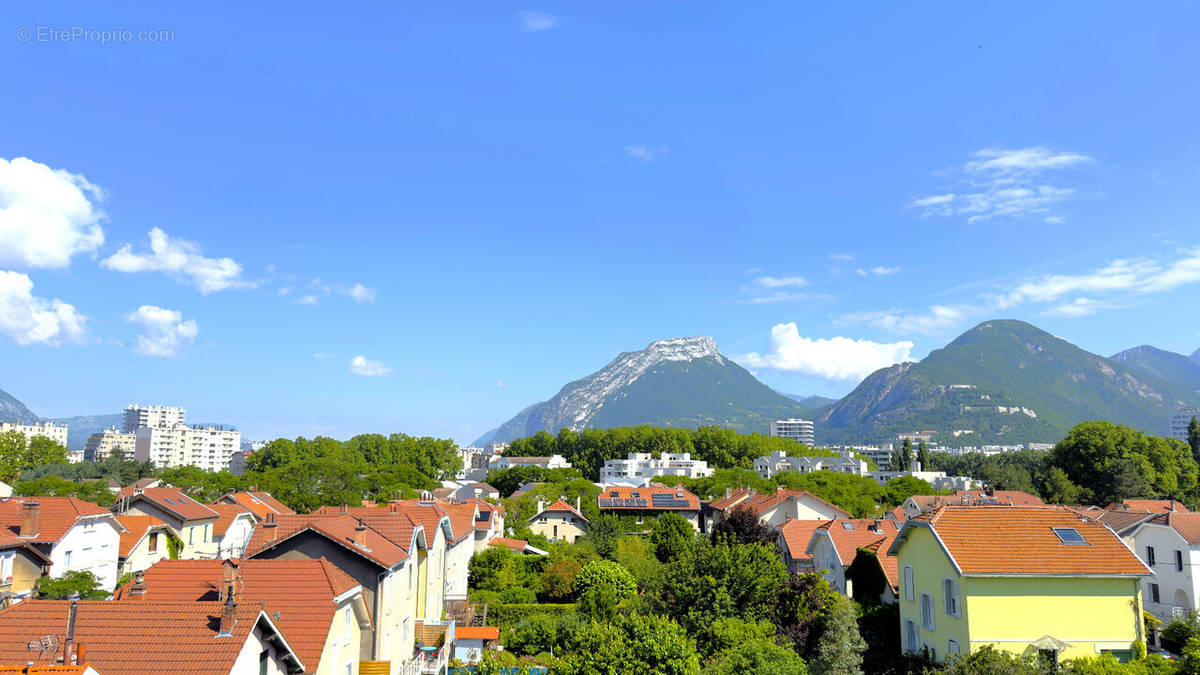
(732, 499)
(462, 519)
(339, 529)
(561, 505)
(506, 542)
(1151, 505)
(47, 670)
(392, 522)
(297, 594)
(56, 516)
(227, 513)
(136, 527)
(625, 492)
(133, 638)
(848, 535)
(888, 564)
(1021, 541)
(797, 534)
(258, 502)
(172, 500)
(1186, 524)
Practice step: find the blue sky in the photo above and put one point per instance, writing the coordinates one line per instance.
(422, 217)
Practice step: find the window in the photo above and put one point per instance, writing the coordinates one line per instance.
(555, 532)
(908, 585)
(67, 559)
(1150, 556)
(347, 636)
(1178, 561)
(952, 647)
(263, 658)
(154, 542)
(950, 595)
(931, 651)
(191, 537)
(927, 620)
(6, 566)
(910, 636)
(1154, 593)
(1069, 535)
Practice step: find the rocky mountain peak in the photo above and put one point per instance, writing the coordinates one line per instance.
(684, 349)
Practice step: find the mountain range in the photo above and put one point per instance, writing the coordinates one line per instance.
(1003, 381)
(682, 382)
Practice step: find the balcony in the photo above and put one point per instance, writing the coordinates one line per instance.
(435, 641)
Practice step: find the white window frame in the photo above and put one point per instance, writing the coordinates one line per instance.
(928, 619)
(1150, 561)
(951, 647)
(908, 583)
(912, 636)
(346, 638)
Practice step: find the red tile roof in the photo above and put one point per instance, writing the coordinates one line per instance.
(561, 505)
(625, 492)
(47, 670)
(888, 564)
(133, 638)
(977, 498)
(477, 633)
(339, 529)
(1021, 541)
(505, 542)
(136, 527)
(761, 503)
(848, 535)
(732, 499)
(797, 534)
(1186, 524)
(56, 515)
(258, 502)
(462, 520)
(172, 500)
(392, 522)
(1151, 505)
(10, 541)
(299, 595)
(227, 513)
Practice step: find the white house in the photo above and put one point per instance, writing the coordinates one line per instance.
(1169, 544)
(835, 544)
(191, 521)
(641, 467)
(231, 531)
(780, 462)
(75, 535)
(776, 508)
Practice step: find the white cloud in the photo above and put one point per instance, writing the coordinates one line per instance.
(879, 271)
(499, 383)
(166, 335)
(360, 293)
(842, 257)
(645, 153)
(361, 365)
(537, 21)
(781, 282)
(999, 182)
(182, 260)
(838, 358)
(1079, 307)
(936, 319)
(46, 215)
(324, 355)
(307, 300)
(28, 319)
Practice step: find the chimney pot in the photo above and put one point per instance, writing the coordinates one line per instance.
(269, 527)
(228, 615)
(360, 534)
(30, 525)
(139, 584)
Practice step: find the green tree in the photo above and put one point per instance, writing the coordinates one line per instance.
(898, 489)
(631, 643)
(603, 533)
(758, 656)
(840, 648)
(906, 455)
(800, 609)
(1057, 488)
(672, 536)
(742, 526)
(987, 660)
(1116, 462)
(923, 456)
(1193, 438)
(608, 574)
(860, 495)
(714, 581)
(493, 569)
(83, 583)
(558, 581)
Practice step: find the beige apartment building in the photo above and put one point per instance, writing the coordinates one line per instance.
(99, 446)
(209, 448)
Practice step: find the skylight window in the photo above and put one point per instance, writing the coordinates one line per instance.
(1069, 535)
(848, 526)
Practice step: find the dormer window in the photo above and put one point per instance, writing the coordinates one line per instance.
(1069, 535)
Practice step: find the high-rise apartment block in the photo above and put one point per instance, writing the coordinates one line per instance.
(110, 441)
(798, 430)
(152, 416)
(1180, 421)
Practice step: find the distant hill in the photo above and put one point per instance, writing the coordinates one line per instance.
(813, 402)
(683, 382)
(1004, 382)
(1172, 367)
(82, 426)
(12, 410)
(1196, 356)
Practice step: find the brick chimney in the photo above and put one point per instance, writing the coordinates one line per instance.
(269, 527)
(139, 584)
(69, 642)
(231, 581)
(228, 616)
(360, 534)
(393, 507)
(30, 526)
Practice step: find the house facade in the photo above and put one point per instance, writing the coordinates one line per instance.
(1169, 544)
(143, 543)
(835, 543)
(76, 536)
(558, 522)
(1038, 581)
(191, 521)
(21, 565)
(647, 503)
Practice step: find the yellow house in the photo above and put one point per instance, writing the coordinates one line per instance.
(1032, 580)
(559, 522)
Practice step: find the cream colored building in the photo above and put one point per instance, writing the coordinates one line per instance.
(559, 522)
(209, 448)
(52, 430)
(152, 416)
(100, 445)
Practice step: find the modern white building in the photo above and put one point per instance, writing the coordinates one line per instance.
(209, 448)
(500, 462)
(53, 431)
(936, 479)
(781, 462)
(101, 445)
(796, 429)
(1180, 421)
(153, 416)
(641, 467)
